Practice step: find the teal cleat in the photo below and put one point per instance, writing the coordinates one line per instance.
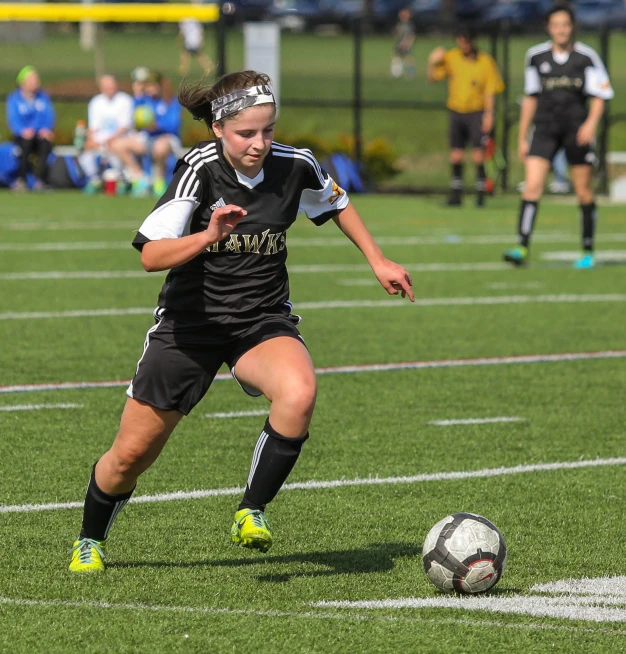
(518, 256)
(586, 262)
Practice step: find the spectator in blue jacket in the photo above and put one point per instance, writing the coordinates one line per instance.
(157, 117)
(30, 117)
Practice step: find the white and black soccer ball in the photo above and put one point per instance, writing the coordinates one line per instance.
(464, 553)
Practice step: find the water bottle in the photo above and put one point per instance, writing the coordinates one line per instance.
(80, 135)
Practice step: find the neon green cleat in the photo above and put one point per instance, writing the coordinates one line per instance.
(87, 556)
(518, 256)
(252, 530)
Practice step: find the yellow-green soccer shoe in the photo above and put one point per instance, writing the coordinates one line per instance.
(87, 556)
(252, 530)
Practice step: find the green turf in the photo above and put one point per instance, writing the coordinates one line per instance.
(175, 581)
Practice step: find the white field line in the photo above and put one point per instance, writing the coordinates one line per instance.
(338, 483)
(238, 414)
(296, 269)
(599, 586)
(601, 255)
(503, 286)
(339, 241)
(44, 226)
(63, 247)
(306, 615)
(349, 304)
(39, 407)
(343, 370)
(473, 421)
(590, 609)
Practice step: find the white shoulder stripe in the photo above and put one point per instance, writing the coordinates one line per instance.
(306, 155)
(591, 53)
(193, 155)
(546, 46)
(297, 155)
(189, 176)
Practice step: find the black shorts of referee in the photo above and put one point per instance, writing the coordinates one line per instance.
(466, 129)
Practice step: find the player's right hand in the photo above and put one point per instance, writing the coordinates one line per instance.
(437, 56)
(223, 221)
(522, 150)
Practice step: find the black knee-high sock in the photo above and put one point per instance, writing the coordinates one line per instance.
(100, 510)
(481, 176)
(274, 458)
(456, 183)
(527, 215)
(588, 217)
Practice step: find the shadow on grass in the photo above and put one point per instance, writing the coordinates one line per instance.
(377, 557)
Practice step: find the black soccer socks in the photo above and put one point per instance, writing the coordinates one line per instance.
(527, 215)
(100, 510)
(481, 178)
(588, 216)
(273, 459)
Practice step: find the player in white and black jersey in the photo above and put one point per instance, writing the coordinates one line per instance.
(566, 86)
(220, 229)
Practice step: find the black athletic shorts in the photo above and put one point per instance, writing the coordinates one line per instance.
(181, 358)
(466, 128)
(547, 140)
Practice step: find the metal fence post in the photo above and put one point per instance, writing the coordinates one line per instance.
(603, 136)
(357, 101)
(506, 125)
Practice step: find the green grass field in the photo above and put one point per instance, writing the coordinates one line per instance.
(175, 583)
(312, 66)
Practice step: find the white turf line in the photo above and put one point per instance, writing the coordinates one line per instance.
(307, 615)
(313, 269)
(348, 370)
(337, 483)
(238, 414)
(39, 407)
(339, 241)
(349, 304)
(589, 609)
(473, 421)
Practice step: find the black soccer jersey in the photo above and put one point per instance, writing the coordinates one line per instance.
(563, 82)
(242, 278)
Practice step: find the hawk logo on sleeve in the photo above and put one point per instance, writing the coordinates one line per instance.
(337, 193)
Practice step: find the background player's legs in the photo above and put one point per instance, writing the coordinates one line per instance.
(537, 169)
(185, 62)
(581, 180)
(142, 435)
(282, 370)
(478, 157)
(205, 61)
(128, 148)
(456, 182)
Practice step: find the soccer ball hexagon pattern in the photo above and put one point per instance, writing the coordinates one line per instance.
(464, 553)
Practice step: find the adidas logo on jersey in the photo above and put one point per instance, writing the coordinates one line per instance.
(216, 205)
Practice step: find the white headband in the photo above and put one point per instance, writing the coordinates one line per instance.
(234, 102)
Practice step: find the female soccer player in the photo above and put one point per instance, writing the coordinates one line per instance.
(560, 75)
(221, 230)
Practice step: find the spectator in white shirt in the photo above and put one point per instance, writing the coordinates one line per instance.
(109, 116)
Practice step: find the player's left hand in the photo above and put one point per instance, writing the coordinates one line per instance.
(586, 133)
(394, 279)
(487, 123)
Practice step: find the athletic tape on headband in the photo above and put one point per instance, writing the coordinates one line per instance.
(234, 102)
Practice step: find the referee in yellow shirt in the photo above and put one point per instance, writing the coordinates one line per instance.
(473, 81)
